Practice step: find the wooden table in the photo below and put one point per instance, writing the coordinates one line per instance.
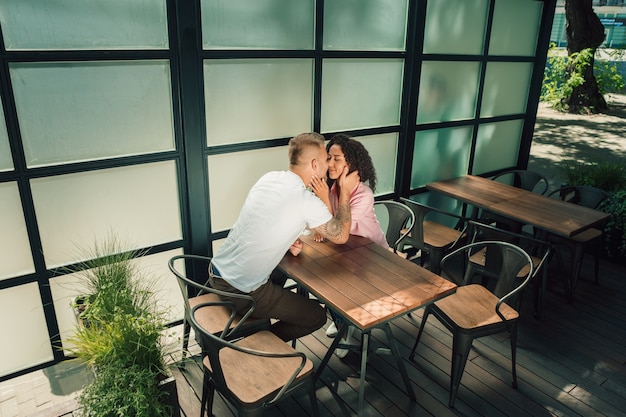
(549, 214)
(367, 286)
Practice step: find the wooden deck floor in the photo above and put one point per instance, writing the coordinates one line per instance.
(570, 363)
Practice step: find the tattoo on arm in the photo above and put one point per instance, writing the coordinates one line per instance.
(334, 229)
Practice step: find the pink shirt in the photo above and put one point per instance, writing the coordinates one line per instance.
(364, 221)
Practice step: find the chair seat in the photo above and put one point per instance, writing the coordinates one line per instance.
(219, 315)
(255, 378)
(437, 235)
(483, 307)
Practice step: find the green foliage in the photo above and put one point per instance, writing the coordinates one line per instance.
(610, 177)
(122, 391)
(121, 338)
(557, 86)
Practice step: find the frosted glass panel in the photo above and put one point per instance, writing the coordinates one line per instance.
(506, 88)
(249, 100)
(365, 25)
(455, 26)
(448, 91)
(497, 146)
(6, 162)
(440, 154)
(25, 341)
(84, 24)
(138, 203)
(228, 192)
(72, 112)
(360, 93)
(153, 268)
(258, 24)
(15, 255)
(515, 27)
(383, 151)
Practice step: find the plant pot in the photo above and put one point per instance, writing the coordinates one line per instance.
(168, 386)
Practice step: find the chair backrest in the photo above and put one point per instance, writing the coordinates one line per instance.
(399, 220)
(225, 319)
(535, 247)
(504, 261)
(524, 179)
(585, 196)
(416, 234)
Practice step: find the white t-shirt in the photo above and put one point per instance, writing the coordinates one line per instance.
(277, 210)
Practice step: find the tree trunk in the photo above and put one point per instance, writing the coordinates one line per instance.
(584, 30)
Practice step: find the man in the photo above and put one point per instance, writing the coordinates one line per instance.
(278, 208)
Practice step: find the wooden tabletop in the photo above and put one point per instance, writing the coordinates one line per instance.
(550, 214)
(362, 281)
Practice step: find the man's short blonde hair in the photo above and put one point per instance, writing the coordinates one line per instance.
(298, 146)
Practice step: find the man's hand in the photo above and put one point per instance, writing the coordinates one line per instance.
(296, 247)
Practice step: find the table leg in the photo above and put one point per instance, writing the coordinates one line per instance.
(340, 333)
(396, 353)
(364, 350)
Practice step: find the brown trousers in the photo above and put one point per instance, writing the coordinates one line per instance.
(296, 315)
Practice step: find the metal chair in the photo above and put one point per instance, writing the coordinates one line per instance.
(430, 237)
(524, 179)
(252, 373)
(223, 321)
(539, 251)
(473, 311)
(400, 218)
(579, 244)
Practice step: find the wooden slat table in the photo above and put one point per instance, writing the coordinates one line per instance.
(549, 214)
(367, 286)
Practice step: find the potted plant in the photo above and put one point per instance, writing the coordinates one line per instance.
(120, 336)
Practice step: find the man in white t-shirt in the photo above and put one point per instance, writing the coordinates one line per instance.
(278, 208)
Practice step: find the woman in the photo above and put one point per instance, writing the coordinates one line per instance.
(344, 151)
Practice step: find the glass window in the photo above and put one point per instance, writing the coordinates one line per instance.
(15, 256)
(360, 93)
(455, 27)
(6, 162)
(25, 335)
(506, 88)
(447, 91)
(153, 267)
(228, 192)
(383, 150)
(440, 154)
(515, 27)
(361, 25)
(258, 24)
(83, 111)
(84, 24)
(248, 100)
(139, 203)
(501, 140)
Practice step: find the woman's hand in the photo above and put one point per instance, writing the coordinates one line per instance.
(320, 188)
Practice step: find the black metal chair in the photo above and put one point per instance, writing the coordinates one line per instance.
(585, 241)
(221, 319)
(399, 217)
(524, 179)
(474, 311)
(432, 238)
(252, 373)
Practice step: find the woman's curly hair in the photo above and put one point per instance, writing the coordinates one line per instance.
(357, 158)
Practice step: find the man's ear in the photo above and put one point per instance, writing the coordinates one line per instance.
(314, 164)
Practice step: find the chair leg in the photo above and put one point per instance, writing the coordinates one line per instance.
(186, 333)
(577, 254)
(313, 397)
(419, 333)
(596, 263)
(513, 335)
(435, 261)
(461, 345)
(207, 396)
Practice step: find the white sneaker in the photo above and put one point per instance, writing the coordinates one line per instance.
(332, 330)
(342, 353)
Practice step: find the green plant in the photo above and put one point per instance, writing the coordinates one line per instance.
(122, 336)
(557, 85)
(608, 176)
(615, 229)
